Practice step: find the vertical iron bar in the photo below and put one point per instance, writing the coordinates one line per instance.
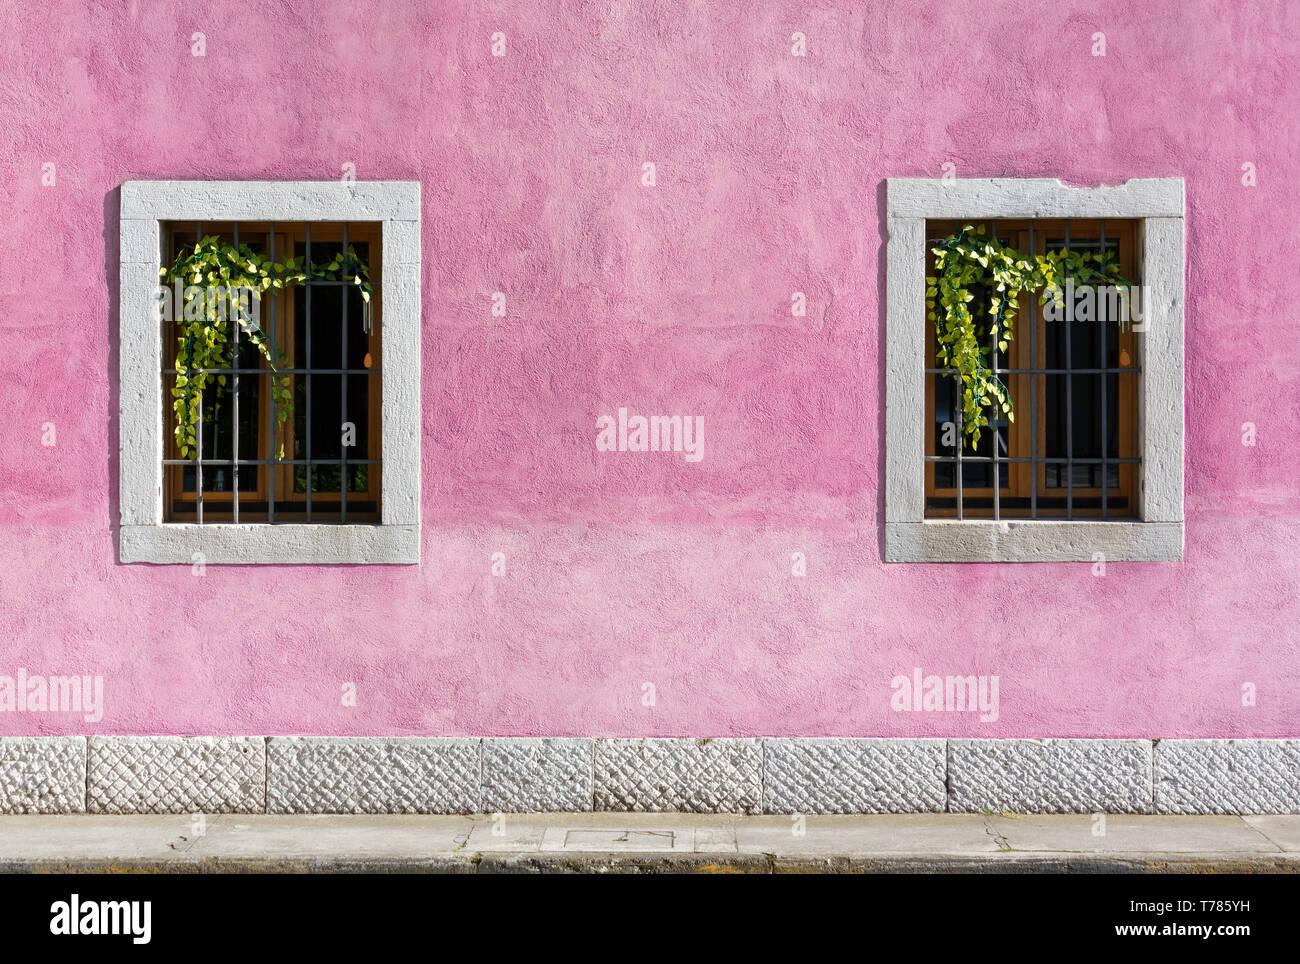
(997, 469)
(1069, 396)
(308, 366)
(166, 331)
(234, 408)
(961, 444)
(1103, 338)
(1033, 390)
(270, 422)
(343, 338)
(198, 435)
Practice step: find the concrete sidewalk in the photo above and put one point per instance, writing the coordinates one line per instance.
(649, 843)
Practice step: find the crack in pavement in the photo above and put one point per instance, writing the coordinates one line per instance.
(999, 839)
(1271, 841)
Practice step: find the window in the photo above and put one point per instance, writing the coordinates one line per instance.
(1091, 466)
(1074, 384)
(252, 463)
(303, 449)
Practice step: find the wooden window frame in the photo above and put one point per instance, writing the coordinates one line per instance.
(1023, 477)
(287, 236)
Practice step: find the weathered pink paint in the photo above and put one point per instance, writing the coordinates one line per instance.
(626, 568)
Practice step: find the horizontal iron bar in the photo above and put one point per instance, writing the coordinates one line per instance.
(980, 458)
(1042, 371)
(301, 284)
(283, 461)
(1085, 243)
(281, 371)
(326, 506)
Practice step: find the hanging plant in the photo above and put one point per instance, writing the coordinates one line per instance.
(203, 337)
(968, 262)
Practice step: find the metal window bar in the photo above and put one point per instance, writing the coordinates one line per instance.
(343, 379)
(353, 461)
(307, 325)
(1000, 371)
(270, 420)
(1102, 340)
(1069, 401)
(997, 469)
(961, 445)
(1033, 392)
(234, 407)
(365, 371)
(1049, 459)
(198, 435)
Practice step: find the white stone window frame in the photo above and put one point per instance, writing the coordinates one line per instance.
(144, 536)
(1157, 533)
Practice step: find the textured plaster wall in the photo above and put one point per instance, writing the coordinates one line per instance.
(627, 569)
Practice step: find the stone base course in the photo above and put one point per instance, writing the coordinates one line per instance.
(1227, 776)
(42, 774)
(547, 775)
(1049, 776)
(357, 775)
(672, 775)
(176, 774)
(373, 775)
(854, 776)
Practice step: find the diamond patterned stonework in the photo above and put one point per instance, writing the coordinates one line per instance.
(665, 775)
(1050, 776)
(853, 776)
(42, 774)
(1227, 776)
(373, 775)
(101, 774)
(537, 775)
(177, 774)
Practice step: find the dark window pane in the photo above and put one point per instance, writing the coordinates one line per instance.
(945, 473)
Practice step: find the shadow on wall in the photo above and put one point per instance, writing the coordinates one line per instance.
(112, 257)
(882, 227)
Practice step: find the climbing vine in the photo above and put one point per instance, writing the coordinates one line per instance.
(968, 263)
(217, 275)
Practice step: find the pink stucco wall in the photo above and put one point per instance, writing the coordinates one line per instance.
(626, 569)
